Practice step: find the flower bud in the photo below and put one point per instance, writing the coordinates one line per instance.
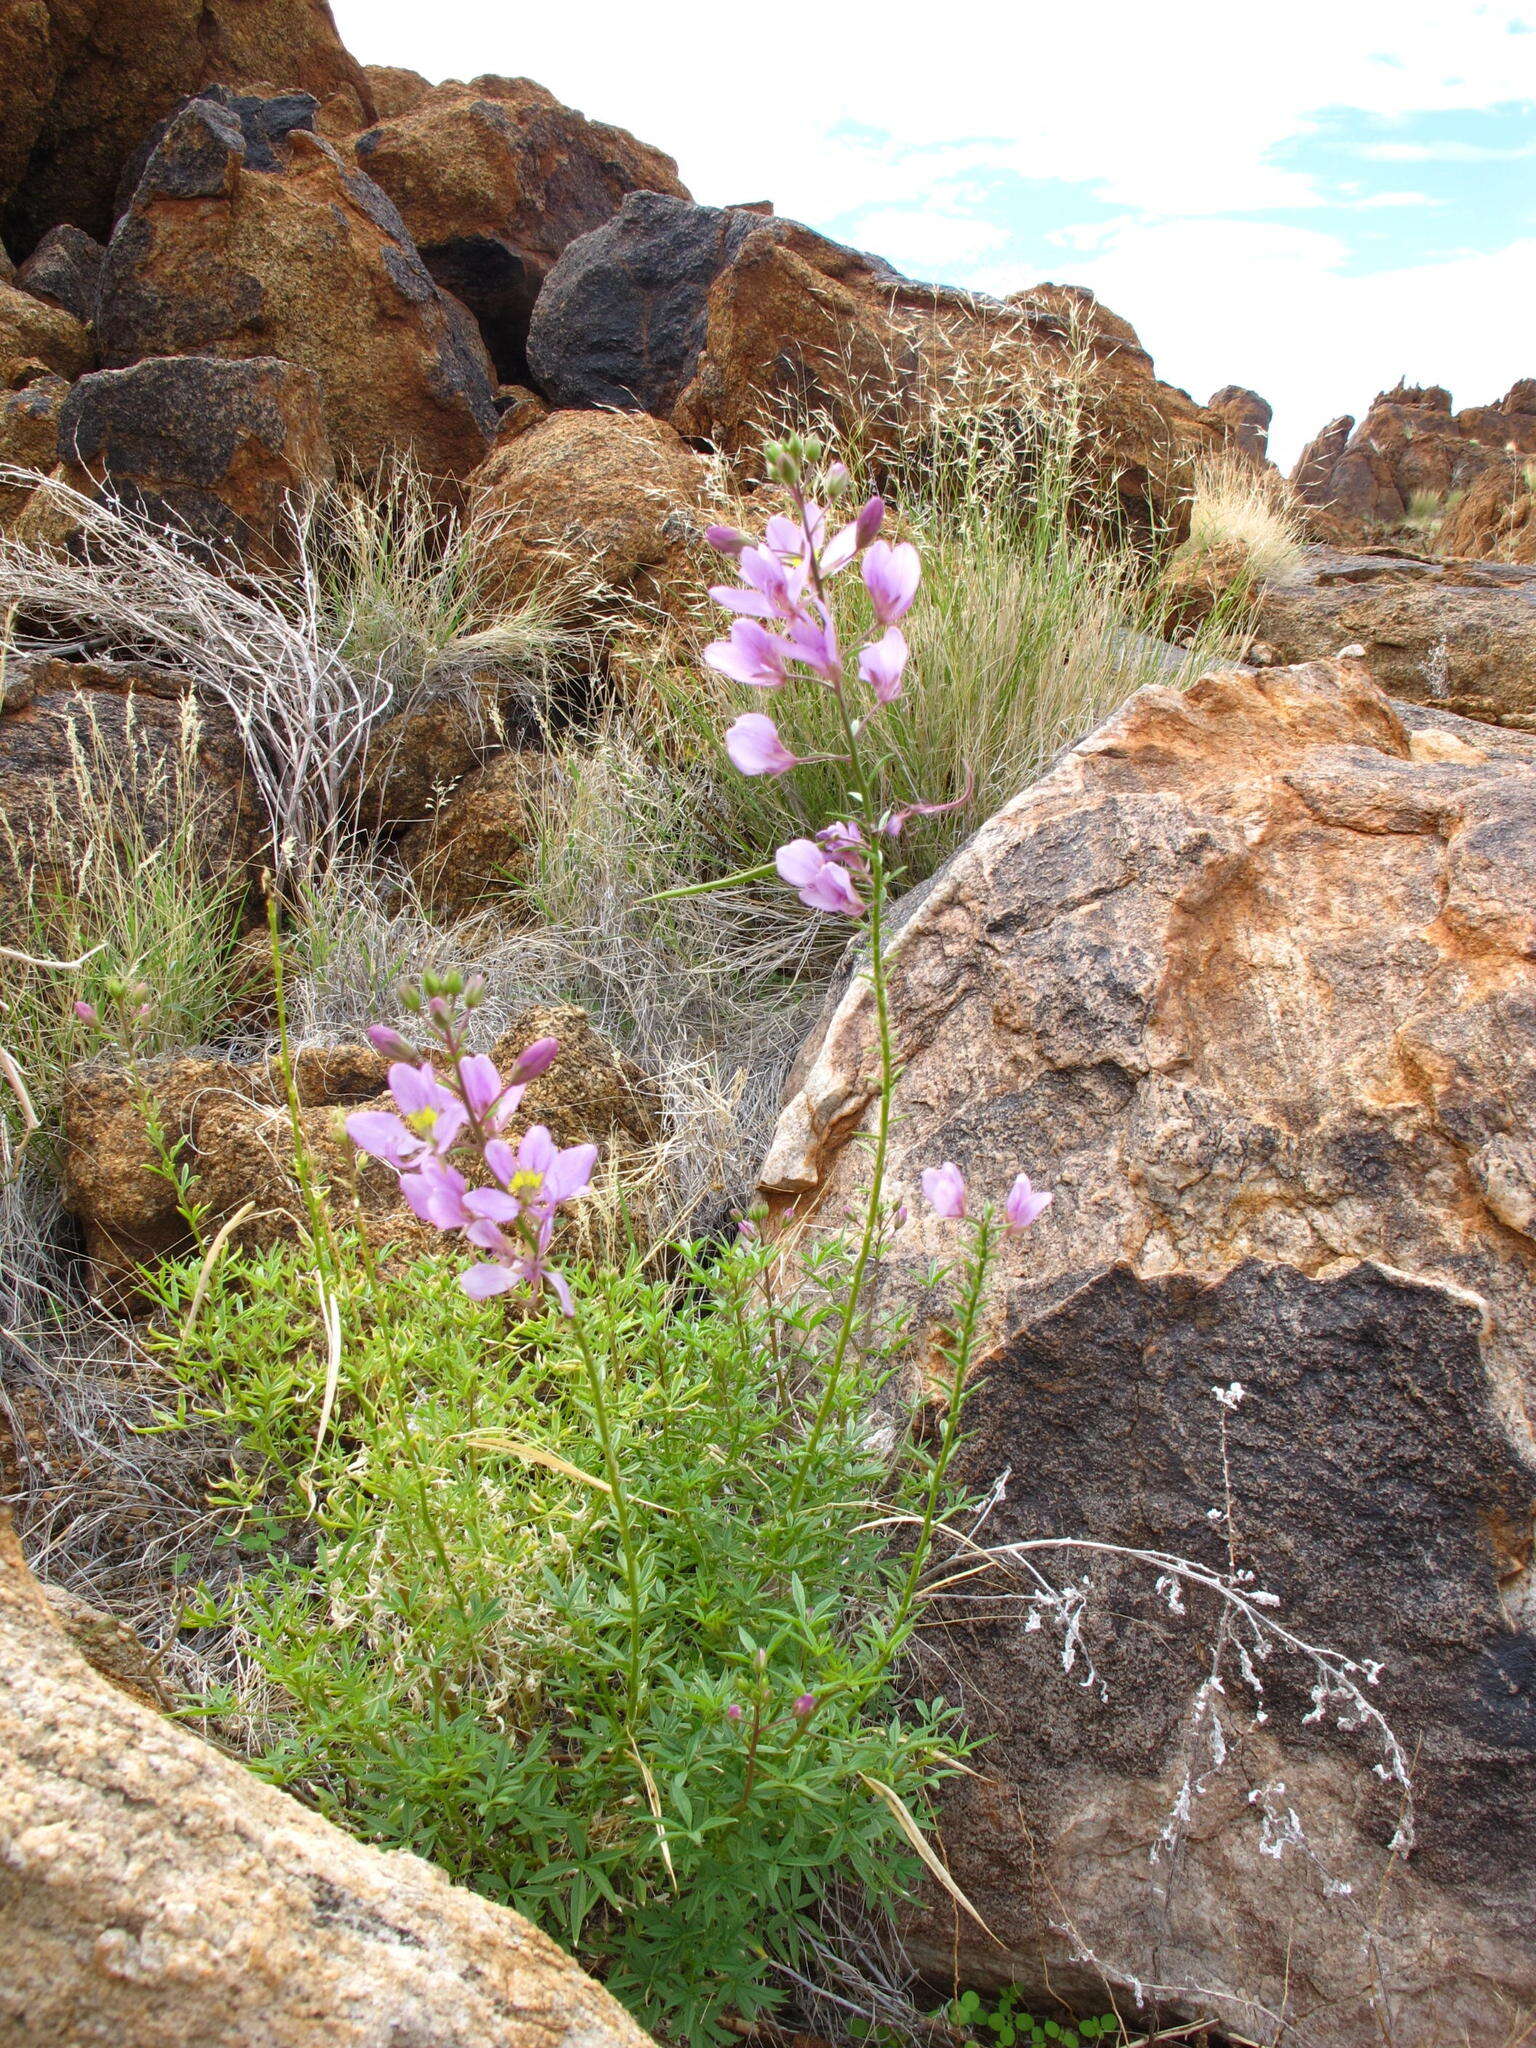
(733, 1711)
(836, 480)
(411, 998)
(725, 540)
(871, 518)
(475, 991)
(391, 1044)
(804, 1707)
(439, 1009)
(88, 1014)
(534, 1060)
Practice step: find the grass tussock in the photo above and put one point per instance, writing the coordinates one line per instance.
(1248, 511)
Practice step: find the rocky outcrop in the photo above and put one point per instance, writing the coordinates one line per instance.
(65, 269)
(714, 318)
(249, 239)
(1248, 981)
(83, 744)
(1411, 445)
(1458, 635)
(493, 179)
(609, 496)
(37, 340)
(220, 451)
(1496, 520)
(85, 80)
(233, 1123)
(153, 1890)
(394, 90)
(1247, 417)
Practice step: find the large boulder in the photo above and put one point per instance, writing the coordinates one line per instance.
(1458, 635)
(84, 746)
(221, 451)
(718, 319)
(86, 79)
(493, 179)
(1496, 519)
(249, 238)
(1249, 982)
(610, 496)
(1411, 445)
(155, 1891)
(37, 339)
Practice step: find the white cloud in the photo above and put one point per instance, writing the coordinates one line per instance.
(1170, 114)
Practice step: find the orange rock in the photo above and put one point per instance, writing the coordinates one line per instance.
(306, 260)
(1410, 444)
(1496, 520)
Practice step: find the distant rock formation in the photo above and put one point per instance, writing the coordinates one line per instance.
(1410, 444)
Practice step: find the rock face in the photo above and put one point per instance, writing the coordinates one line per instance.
(155, 1891)
(247, 240)
(65, 269)
(1410, 444)
(1249, 981)
(607, 493)
(81, 743)
(1247, 416)
(1458, 635)
(1496, 520)
(213, 448)
(493, 179)
(38, 340)
(85, 80)
(715, 317)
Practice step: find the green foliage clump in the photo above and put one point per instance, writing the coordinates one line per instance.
(1002, 2023)
(665, 1761)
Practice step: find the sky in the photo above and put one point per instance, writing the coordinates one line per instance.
(1312, 198)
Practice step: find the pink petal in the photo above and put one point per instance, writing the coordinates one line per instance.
(944, 1188)
(534, 1060)
(891, 577)
(536, 1153)
(755, 748)
(501, 1159)
(382, 1136)
(480, 1082)
(481, 1282)
(1025, 1203)
(492, 1205)
(882, 662)
(746, 601)
(800, 862)
(571, 1173)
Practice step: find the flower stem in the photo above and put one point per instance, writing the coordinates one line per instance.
(621, 1515)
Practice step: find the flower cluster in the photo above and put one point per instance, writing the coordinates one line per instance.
(464, 1115)
(784, 629)
(945, 1191)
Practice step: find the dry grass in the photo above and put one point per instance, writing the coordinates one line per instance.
(1250, 511)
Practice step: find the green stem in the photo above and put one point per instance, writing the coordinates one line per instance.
(964, 1345)
(621, 1515)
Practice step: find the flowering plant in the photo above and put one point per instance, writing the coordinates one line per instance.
(463, 1115)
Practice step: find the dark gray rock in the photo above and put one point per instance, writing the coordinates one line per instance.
(211, 447)
(65, 269)
(621, 318)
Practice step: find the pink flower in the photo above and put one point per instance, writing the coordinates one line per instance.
(540, 1175)
(755, 748)
(773, 589)
(725, 540)
(751, 655)
(822, 884)
(853, 538)
(944, 1188)
(481, 1085)
(893, 821)
(891, 577)
(882, 662)
(1025, 1202)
